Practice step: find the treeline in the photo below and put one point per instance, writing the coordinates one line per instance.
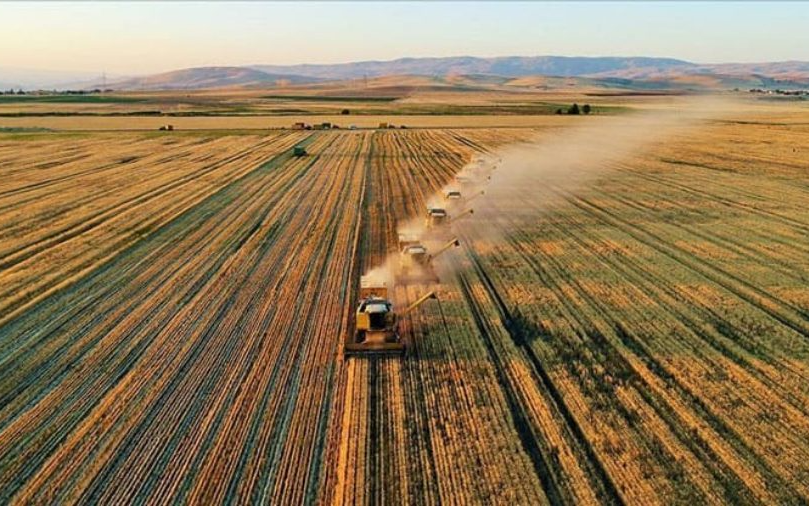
(55, 92)
(575, 109)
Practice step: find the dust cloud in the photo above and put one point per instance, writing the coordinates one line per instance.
(508, 188)
(382, 275)
(571, 159)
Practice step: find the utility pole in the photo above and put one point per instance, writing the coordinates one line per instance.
(365, 78)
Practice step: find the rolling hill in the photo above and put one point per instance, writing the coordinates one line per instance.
(209, 77)
(474, 72)
(508, 66)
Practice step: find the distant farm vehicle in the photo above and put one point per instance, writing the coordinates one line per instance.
(436, 216)
(412, 256)
(416, 263)
(452, 195)
(166, 128)
(299, 151)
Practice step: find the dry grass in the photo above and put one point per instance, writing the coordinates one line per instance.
(101, 123)
(174, 306)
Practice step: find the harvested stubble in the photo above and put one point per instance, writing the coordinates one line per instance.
(640, 340)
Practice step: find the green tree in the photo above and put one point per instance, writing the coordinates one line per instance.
(586, 109)
(574, 109)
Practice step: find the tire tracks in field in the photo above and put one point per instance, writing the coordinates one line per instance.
(715, 197)
(236, 190)
(657, 284)
(603, 484)
(782, 311)
(782, 267)
(614, 357)
(23, 252)
(179, 224)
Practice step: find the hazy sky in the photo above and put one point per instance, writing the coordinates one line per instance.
(141, 37)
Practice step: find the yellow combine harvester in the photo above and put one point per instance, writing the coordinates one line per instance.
(376, 322)
(436, 216)
(452, 194)
(415, 262)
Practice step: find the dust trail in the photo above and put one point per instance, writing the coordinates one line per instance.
(382, 275)
(569, 160)
(505, 189)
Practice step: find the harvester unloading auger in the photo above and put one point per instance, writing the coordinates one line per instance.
(437, 217)
(376, 321)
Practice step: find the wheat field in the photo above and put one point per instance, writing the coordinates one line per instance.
(173, 309)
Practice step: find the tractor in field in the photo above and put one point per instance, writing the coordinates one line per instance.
(299, 151)
(377, 323)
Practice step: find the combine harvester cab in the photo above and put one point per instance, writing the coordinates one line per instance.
(376, 329)
(416, 264)
(376, 323)
(452, 195)
(413, 256)
(436, 217)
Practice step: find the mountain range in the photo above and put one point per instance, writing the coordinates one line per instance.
(210, 77)
(643, 72)
(507, 66)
